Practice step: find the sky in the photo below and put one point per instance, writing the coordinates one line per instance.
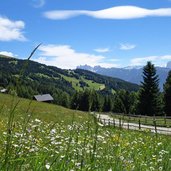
(109, 33)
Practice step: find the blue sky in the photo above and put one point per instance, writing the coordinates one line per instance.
(110, 33)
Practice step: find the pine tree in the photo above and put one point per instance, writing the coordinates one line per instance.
(85, 100)
(133, 98)
(125, 98)
(75, 101)
(118, 106)
(167, 95)
(96, 101)
(107, 106)
(149, 101)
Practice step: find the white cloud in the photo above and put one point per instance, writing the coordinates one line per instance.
(102, 50)
(38, 3)
(157, 60)
(10, 54)
(117, 12)
(166, 57)
(11, 30)
(126, 46)
(64, 56)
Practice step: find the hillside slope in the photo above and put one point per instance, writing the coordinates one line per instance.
(43, 111)
(39, 76)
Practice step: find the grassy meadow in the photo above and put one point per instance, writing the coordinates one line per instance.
(90, 83)
(39, 136)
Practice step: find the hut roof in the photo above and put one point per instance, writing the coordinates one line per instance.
(3, 90)
(43, 97)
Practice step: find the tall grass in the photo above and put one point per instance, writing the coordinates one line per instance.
(83, 146)
(10, 124)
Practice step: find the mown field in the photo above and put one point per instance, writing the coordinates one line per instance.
(40, 136)
(90, 83)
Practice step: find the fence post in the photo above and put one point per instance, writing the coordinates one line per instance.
(139, 124)
(98, 118)
(109, 122)
(114, 122)
(128, 124)
(104, 122)
(119, 122)
(155, 126)
(165, 120)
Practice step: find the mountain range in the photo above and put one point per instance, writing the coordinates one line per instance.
(130, 74)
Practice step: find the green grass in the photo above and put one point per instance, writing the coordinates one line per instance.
(75, 82)
(76, 85)
(94, 85)
(42, 75)
(40, 110)
(44, 137)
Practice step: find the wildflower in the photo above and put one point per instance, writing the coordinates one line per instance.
(53, 131)
(100, 137)
(159, 160)
(99, 124)
(159, 143)
(121, 157)
(62, 157)
(160, 168)
(47, 166)
(77, 164)
(15, 145)
(37, 120)
(152, 168)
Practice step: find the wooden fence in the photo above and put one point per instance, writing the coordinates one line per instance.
(135, 126)
(164, 121)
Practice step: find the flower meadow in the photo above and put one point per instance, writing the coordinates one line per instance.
(34, 144)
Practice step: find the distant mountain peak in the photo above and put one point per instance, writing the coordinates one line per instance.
(169, 65)
(97, 67)
(131, 73)
(133, 67)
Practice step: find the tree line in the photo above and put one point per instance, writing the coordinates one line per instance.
(148, 100)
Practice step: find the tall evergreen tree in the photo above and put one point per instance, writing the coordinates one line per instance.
(118, 106)
(85, 100)
(133, 99)
(96, 101)
(149, 101)
(107, 106)
(167, 95)
(125, 98)
(75, 101)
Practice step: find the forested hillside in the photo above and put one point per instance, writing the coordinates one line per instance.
(27, 78)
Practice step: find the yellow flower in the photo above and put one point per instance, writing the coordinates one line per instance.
(116, 138)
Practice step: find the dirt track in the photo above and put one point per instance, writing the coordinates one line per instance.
(108, 120)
